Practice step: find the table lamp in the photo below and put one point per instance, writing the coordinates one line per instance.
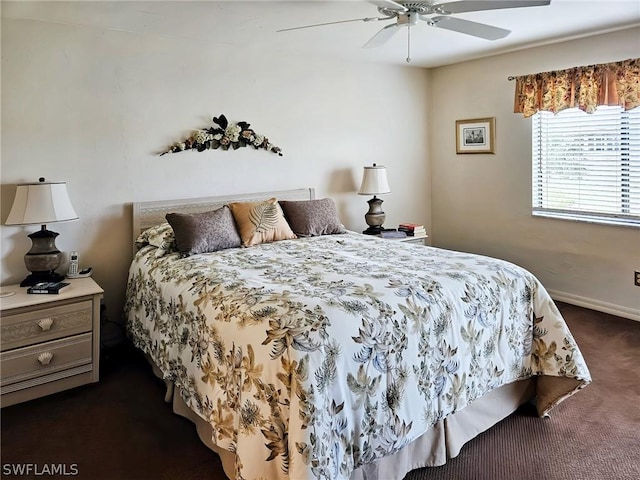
(41, 203)
(374, 182)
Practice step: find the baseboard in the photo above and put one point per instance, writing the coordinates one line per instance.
(598, 305)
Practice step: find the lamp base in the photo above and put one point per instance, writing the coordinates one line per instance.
(375, 230)
(38, 277)
(374, 217)
(43, 259)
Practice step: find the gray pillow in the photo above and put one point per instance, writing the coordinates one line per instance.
(309, 218)
(204, 232)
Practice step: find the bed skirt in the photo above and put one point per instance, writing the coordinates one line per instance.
(442, 442)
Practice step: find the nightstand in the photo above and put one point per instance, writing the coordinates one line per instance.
(48, 343)
(417, 239)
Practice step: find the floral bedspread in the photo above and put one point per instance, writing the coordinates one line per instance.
(311, 357)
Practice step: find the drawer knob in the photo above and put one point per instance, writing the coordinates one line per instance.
(45, 358)
(45, 324)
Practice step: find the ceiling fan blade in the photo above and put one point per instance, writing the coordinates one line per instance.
(470, 28)
(368, 19)
(389, 5)
(382, 36)
(477, 5)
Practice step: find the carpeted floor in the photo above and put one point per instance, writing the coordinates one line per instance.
(120, 428)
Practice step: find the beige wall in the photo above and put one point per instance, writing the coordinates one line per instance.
(93, 107)
(482, 203)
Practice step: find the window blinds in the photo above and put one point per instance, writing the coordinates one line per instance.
(587, 166)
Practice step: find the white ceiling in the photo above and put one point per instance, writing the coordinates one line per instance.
(250, 26)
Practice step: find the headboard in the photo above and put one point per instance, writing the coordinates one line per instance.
(148, 214)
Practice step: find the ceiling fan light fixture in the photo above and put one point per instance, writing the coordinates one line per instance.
(408, 19)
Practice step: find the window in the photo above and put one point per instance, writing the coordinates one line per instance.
(587, 166)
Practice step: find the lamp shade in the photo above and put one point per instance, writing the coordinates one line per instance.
(374, 181)
(41, 203)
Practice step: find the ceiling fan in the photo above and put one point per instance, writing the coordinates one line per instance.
(408, 13)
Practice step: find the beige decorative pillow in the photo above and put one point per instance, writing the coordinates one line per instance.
(260, 222)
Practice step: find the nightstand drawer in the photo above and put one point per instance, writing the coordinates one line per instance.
(45, 358)
(45, 324)
(416, 240)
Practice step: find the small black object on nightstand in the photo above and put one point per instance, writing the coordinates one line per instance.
(47, 287)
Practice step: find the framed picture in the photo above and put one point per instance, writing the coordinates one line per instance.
(476, 135)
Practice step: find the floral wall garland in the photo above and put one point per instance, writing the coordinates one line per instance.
(224, 135)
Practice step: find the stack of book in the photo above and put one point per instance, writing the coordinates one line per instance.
(412, 229)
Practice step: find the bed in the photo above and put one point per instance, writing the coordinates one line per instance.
(339, 355)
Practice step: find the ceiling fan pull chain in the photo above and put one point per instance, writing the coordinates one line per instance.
(409, 44)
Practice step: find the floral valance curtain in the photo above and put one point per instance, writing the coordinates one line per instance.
(586, 87)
